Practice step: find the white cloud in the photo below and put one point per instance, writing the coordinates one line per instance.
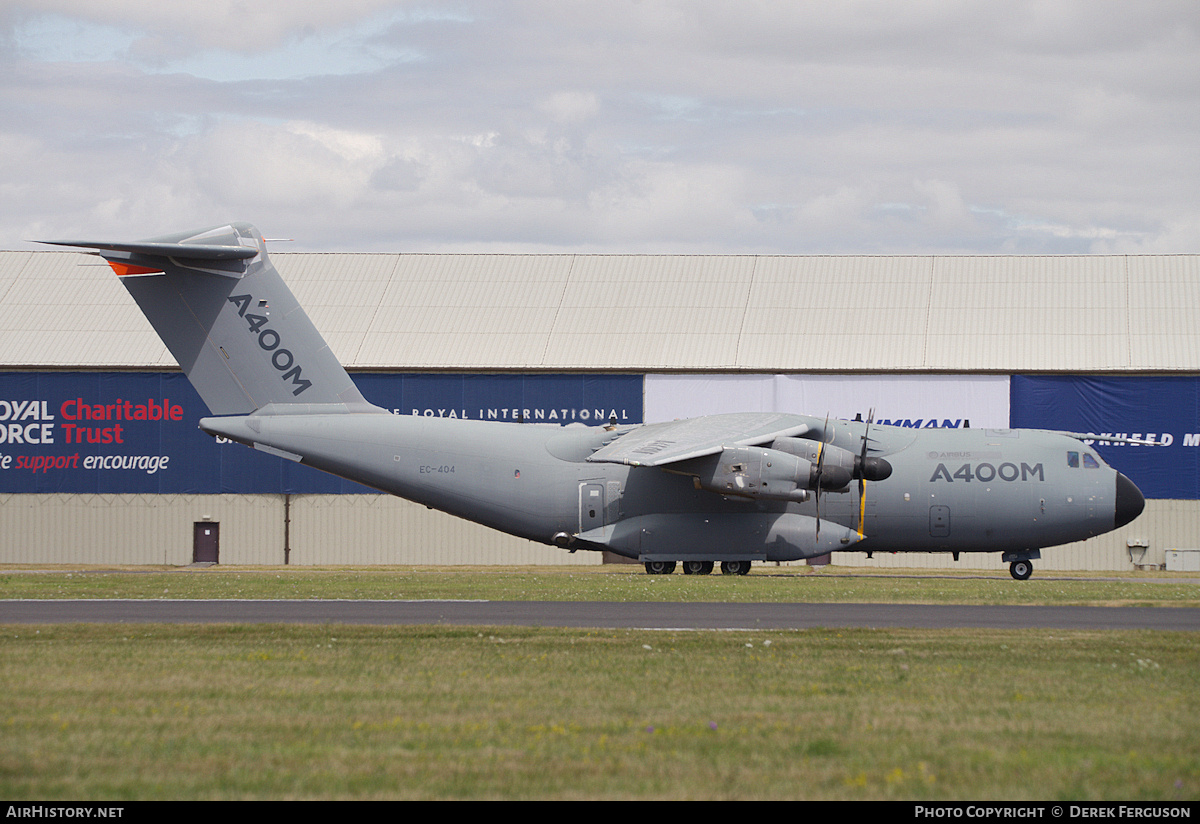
(166, 31)
(1180, 235)
(854, 127)
(570, 107)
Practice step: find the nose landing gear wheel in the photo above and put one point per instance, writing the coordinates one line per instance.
(1021, 570)
(735, 567)
(660, 567)
(697, 567)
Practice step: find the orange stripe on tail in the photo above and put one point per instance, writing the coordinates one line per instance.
(123, 269)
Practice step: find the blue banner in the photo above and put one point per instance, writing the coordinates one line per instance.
(109, 432)
(1165, 410)
(112, 432)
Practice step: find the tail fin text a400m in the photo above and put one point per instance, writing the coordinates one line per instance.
(228, 318)
(728, 489)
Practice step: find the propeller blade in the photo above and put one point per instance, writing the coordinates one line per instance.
(862, 473)
(820, 464)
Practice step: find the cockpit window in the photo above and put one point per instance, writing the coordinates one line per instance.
(1073, 460)
(1089, 462)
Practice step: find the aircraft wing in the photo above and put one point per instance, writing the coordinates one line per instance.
(1092, 436)
(658, 444)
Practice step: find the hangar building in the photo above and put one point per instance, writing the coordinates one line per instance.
(101, 461)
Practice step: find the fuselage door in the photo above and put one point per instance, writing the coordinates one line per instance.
(939, 522)
(613, 513)
(591, 505)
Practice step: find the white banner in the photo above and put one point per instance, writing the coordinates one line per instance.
(918, 401)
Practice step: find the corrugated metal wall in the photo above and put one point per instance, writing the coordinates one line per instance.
(380, 529)
(323, 529)
(1164, 291)
(821, 312)
(751, 313)
(136, 529)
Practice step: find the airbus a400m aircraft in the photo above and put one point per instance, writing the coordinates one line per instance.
(724, 488)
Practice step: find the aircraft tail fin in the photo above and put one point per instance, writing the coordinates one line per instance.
(235, 328)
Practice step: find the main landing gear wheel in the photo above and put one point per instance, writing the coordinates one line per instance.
(735, 567)
(1021, 570)
(697, 567)
(660, 567)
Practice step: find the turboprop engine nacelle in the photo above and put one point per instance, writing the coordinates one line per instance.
(757, 472)
(838, 465)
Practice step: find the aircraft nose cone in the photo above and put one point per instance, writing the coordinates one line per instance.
(1130, 502)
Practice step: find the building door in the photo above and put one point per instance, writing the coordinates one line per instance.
(206, 542)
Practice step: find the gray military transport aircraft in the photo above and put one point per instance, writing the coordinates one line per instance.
(730, 488)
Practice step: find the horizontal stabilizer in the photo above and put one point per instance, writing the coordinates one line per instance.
(179, 251)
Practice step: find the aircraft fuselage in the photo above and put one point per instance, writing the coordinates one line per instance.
(731, 488)
(949, 490)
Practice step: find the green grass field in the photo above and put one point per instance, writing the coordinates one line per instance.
(610, 583)
(123, 712)
(179, 712)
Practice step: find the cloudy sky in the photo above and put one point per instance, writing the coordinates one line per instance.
(858, 126)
